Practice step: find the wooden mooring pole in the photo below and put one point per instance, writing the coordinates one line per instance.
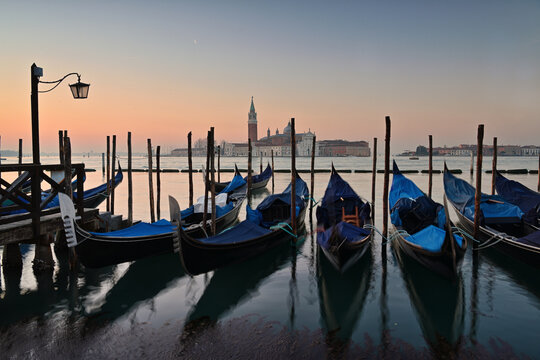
(150, 183)
(538, 172)
(249, 173)
(218, 164)
(260, 162)
(430, 170)
(373, 180)
(494, 166)
(293, 179)
(478, 193)
(206, 180)
(108, 173)
(113, 166)
(130, 181)
(213, 181)
(272, 152)
(20, 154)
(158, 183)
(103, 164)
(66, 149)
(311, 193)
(61, 146)
(472, 162)
(190, 170)
(386, 181)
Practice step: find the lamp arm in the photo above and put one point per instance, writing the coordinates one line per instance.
(57, 82)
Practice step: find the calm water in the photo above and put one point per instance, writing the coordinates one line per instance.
(290, 299)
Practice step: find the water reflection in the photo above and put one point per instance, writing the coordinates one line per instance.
(438, 303)
(519, 273)
(140, 284)
(342, 297)
(234, 284)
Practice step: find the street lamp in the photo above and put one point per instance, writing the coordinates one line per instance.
(79, 91)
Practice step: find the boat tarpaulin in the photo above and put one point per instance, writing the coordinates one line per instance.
(520, 195)
(266, 174)
(141, 229)
(236, 182)
(346, 231)
(246, 230)
(431, 238)
(494, 208)
(339, 195)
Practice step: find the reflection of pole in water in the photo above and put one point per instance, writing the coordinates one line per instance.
(293, 288)
(385, 340)
(474, 297)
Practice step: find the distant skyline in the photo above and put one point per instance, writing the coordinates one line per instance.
(162, 69)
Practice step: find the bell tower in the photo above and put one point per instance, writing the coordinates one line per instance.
(252, 123)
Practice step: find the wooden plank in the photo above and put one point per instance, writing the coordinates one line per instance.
(21, 231)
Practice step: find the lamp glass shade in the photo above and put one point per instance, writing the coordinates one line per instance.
(79, 90)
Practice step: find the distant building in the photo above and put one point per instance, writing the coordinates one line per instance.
(252, 123)
(343, 148)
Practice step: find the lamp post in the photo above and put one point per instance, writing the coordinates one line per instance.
(78, 89)
(43, 256)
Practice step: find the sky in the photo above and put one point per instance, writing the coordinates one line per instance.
(163, 68)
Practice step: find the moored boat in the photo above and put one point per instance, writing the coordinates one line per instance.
(501, 223)
(340, 223)
(266, 226)
(518, 194)
(143, 239)
(423, 229)
(258, 181)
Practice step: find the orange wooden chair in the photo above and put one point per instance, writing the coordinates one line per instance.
(351, 219)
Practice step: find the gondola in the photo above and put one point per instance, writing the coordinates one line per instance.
(423, 228)
(265, 227)
(340, 223)
(258, 181)
(501, 223)
(518, 194)
(143, 239)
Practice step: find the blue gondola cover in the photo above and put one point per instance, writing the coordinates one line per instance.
(346, 231)
(520, 195)
(339, 194)
(236, 182)
(266, 174)
(246, 230)
(494, 208)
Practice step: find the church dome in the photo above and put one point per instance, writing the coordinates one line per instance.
(287, 129)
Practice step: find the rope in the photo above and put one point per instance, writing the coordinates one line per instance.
(486, 243)
(314, 203)
(283, 227)
(371, 227)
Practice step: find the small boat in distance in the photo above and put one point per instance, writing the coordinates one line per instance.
(340, 223)
(258, 181)
(423, 227)
(414, 158)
